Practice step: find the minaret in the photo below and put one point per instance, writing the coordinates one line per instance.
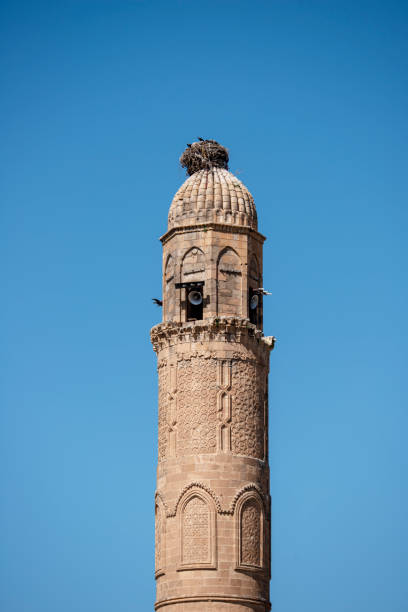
(212, 501)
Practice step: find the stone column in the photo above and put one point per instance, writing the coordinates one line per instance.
(212, 499)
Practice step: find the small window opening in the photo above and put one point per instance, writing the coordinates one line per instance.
(255, 306)
(194, 299)
(194, 303)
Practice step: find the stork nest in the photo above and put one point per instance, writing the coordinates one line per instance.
(205, 154)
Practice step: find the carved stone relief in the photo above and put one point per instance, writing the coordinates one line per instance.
(196, 406)
(172, 408)
(247, 422)
(163, 401)
(249, 341)
(167, 409)
(159, 540)
(196, 532)
(240, 495)
(207, 404)
(224, 405)
(250, 537)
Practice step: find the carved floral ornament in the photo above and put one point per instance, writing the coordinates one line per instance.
(197, 507)
(198, 537)
(203, 406)
(249, 525)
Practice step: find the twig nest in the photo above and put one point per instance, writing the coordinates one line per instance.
(204, 154)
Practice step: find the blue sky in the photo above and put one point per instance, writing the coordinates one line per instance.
(98, 101)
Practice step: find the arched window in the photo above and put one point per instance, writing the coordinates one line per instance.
(254, 296)
(192, 277)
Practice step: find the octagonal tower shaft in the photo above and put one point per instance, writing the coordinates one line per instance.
(212, 500)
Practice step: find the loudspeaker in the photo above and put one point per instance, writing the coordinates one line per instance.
(253, 302)
(195, 298)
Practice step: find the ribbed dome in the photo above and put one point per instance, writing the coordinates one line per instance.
(212, 195)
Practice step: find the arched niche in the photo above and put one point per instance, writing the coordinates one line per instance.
(193, 266)
(249, 523)
(197, 531)
(169, 269)
(192, 271)
(229, 283)
(160, 537)
(169, 296)
(254, 272)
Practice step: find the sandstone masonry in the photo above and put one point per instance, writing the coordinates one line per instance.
(212, 500)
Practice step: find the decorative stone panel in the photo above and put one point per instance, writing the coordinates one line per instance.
(250, 532)
(248, 404)
(232, 330)
(163, 405)
(167, 409)
(224, 405)
(197, 532)
(160, 538)
(197, 406)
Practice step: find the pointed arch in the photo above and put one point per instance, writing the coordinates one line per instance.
(250, 531)
(169, 291)
(169, 268)
(254, 271)
(197, 530)
(192, 271)
(229, 282)
(252, 486)
(193, 265)
(193, 486)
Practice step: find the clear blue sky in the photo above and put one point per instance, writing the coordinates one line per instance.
(98, 101)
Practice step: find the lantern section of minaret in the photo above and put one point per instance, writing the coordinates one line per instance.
(212, 508)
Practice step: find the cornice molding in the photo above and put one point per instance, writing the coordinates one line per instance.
(195, 485)
(204, 227)
(251, 601)
(251, 486)
(221, 329)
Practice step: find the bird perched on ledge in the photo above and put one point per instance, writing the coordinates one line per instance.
(262, 291)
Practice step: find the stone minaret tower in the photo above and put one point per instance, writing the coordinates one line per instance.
(212, 500)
